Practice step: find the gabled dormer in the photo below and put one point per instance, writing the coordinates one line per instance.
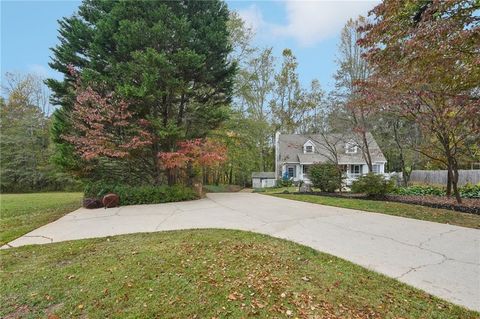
(308, 147)
(351, 147)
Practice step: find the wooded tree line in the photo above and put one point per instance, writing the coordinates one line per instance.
(25, 145)
(141, 79)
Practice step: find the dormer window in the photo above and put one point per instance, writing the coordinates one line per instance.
(351, 148)
(308, 147)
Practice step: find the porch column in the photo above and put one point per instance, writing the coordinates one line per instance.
(365, 169)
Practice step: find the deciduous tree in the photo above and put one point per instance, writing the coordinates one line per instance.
(24, 137)
(192, 156)
(353, 69)
(288, 103)
(103, 125)
(425, 59)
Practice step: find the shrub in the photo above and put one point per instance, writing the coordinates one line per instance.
(372, 185)
(327, 177)
(420, 190)
(284, 182)
(470, 191)
(132, 195)
(466, 191)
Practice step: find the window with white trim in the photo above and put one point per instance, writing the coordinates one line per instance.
(291, 172)
(351, 148)
(376, 168)
(355, 169)
(305, 169)
(309, 149)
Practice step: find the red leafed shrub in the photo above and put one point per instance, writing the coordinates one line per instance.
(201, 152)
(104, 125)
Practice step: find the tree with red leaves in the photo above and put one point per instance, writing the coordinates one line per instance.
(103, 125)
(425, 61)
(192, 155)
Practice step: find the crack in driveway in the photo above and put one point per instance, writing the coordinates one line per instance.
(39, 236)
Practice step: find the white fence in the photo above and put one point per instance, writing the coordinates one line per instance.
(471, 176)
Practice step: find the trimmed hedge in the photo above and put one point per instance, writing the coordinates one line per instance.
(134, 195)
(372, 185)
(327, 177)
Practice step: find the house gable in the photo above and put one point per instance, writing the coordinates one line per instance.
(351, 147)
(291, 148)
(308, 147)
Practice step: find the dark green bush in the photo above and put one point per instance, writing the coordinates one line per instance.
(284, 182)
(470, 191)
(419, 190)
(373, 185)
(132, 195)
(327, 177)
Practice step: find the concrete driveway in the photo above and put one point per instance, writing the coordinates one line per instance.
(441, 259)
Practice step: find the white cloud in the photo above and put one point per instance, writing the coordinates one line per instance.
(253, 18)
(309, 22)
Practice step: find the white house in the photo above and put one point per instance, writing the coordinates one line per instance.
(295, 153)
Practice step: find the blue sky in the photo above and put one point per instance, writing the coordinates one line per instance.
(310, 28)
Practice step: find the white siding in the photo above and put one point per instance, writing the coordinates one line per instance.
(258, 182)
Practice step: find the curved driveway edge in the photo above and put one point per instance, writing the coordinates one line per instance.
(443, 260)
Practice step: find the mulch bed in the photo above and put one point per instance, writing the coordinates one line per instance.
(468, 205)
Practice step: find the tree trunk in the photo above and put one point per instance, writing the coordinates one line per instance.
(190, 175)
(449, 181)
(405, 174)
(368, 157)
(455, 182)
(170, 177)
(156, 165)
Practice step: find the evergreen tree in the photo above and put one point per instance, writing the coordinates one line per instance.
(167, 59)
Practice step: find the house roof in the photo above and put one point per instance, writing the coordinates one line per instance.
(263, 175)
(291, 149)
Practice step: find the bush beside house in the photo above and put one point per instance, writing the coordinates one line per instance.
(326, 177)
(373, 185)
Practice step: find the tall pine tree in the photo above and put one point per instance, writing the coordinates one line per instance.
(168, 59)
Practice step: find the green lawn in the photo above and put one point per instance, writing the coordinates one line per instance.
(22, 213)
(201, 274)
(221, 188)
(444, 216)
